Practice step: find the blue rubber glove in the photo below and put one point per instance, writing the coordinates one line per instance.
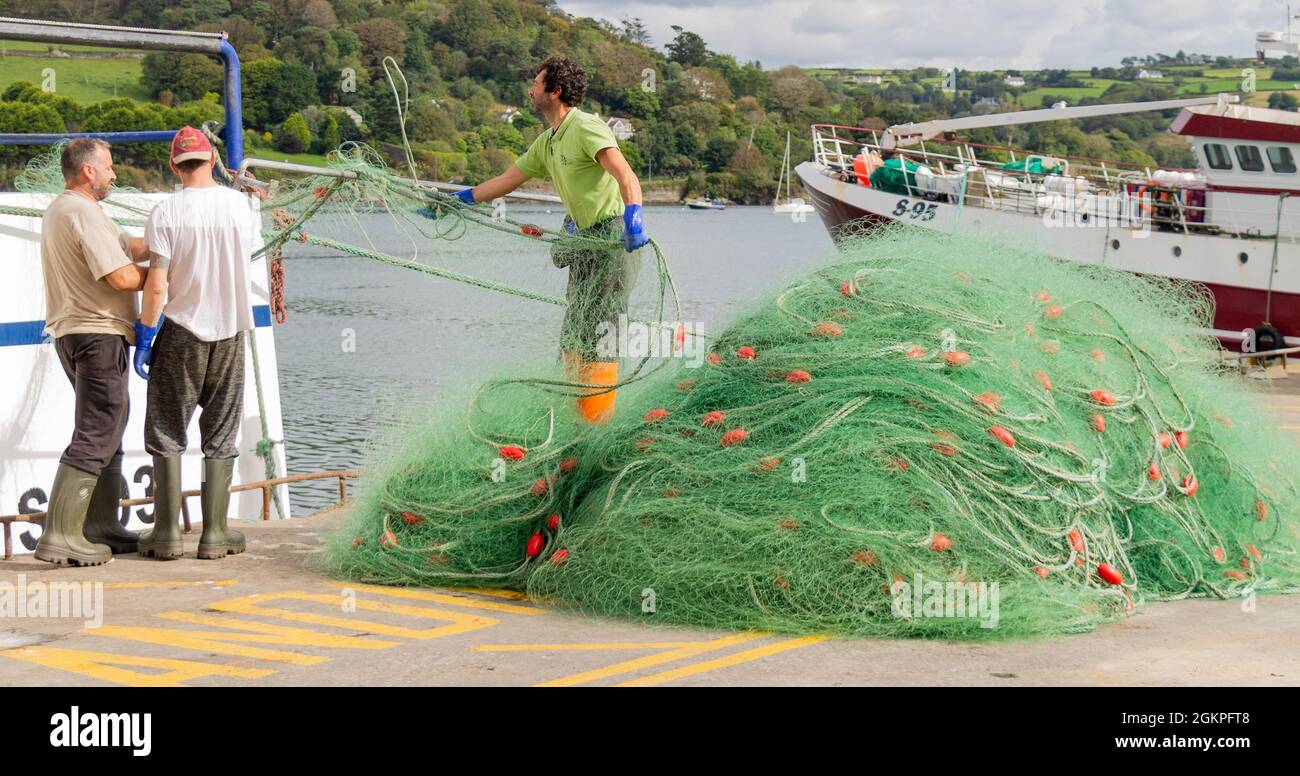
(144, 346)
(634, 235)
(569, 226)
(466, 195)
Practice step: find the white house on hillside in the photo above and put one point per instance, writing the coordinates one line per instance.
(1150, 74)
(1013, 80)
(621, 127)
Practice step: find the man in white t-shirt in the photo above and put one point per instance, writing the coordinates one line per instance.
(201, 241)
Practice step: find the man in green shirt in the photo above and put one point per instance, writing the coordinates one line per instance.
(580, 155)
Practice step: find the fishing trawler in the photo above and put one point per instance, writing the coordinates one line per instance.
(1227, 224)
(36, 404)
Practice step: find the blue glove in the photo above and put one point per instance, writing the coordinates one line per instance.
(466, 195)
(144, 346)
(634, 235)
(569, 225)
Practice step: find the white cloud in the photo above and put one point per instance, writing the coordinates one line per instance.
(975, 34)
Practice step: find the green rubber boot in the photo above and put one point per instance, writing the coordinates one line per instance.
(165, 541)
(61, 540)
(217, 540)
(102, 523)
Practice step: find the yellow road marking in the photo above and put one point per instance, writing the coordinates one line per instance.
(513, 595)
(134, 585)
(650, 661)
(103, 666)
(724, 662)
(442, 598)
(253, 604)
(562, 647)
(220, 641)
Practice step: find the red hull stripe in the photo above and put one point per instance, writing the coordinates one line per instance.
(1201, 125)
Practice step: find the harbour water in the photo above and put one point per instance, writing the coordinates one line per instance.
(365, 342)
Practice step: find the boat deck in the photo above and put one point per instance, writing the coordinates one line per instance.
(267, 617)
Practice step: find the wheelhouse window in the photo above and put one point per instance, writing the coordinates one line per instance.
(1280, 159)
(1248, 158)
(1216, 155)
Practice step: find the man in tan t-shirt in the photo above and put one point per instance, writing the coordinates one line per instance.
(90, 311)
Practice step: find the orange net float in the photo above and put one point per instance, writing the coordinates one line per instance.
(388, 540)
(534, 546)
(1077, 541)
(1180, 439)
(894, 463)
(827, 330)
(410, 518)
(530, 230)
(712, 419)
(1044, 379)
(1002, 435)
(1254, 551)
(916, 353)
(1029, 329)
(734, 437)
(1052, 311)
(956, 358)
(798, 376)
(541, 487)
(511, 452)
(655, 415)
(1102, 397)
(863, 558)
(1261, 510)
(944, 449)
(990, 401)
(553, 522)
(560, 557)
(568, 465)
(963, 277)
(1218, 554)
(686, 385)
(1097, 356)
(714, 358)
(848, 288)
(1165, 441)
(1043, 296)
(1098, 423)
(1110, 574)
(1041, 571)
(940, 543)
(1234, 574)
(1190, 485)
(745, 352)
(1051, 348)
(1153, 472)
(767, 464)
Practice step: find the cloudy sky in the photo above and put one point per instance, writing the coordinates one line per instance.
(975, 34)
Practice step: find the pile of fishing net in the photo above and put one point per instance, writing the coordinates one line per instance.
(927, 409)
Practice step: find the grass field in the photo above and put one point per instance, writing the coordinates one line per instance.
(84, 80)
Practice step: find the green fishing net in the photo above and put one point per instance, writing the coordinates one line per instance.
(940, 413)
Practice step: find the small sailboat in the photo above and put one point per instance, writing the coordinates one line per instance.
(789, 204)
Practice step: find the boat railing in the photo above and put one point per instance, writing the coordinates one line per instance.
(954, 170)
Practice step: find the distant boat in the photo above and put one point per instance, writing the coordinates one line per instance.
(705, 204)
(789, 204)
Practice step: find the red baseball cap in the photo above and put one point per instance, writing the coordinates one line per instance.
(189, 143)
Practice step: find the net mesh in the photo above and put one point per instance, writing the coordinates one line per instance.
(925, 410)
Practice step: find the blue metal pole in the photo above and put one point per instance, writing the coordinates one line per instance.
(234, 132)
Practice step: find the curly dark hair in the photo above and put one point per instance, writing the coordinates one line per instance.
(565, 76)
